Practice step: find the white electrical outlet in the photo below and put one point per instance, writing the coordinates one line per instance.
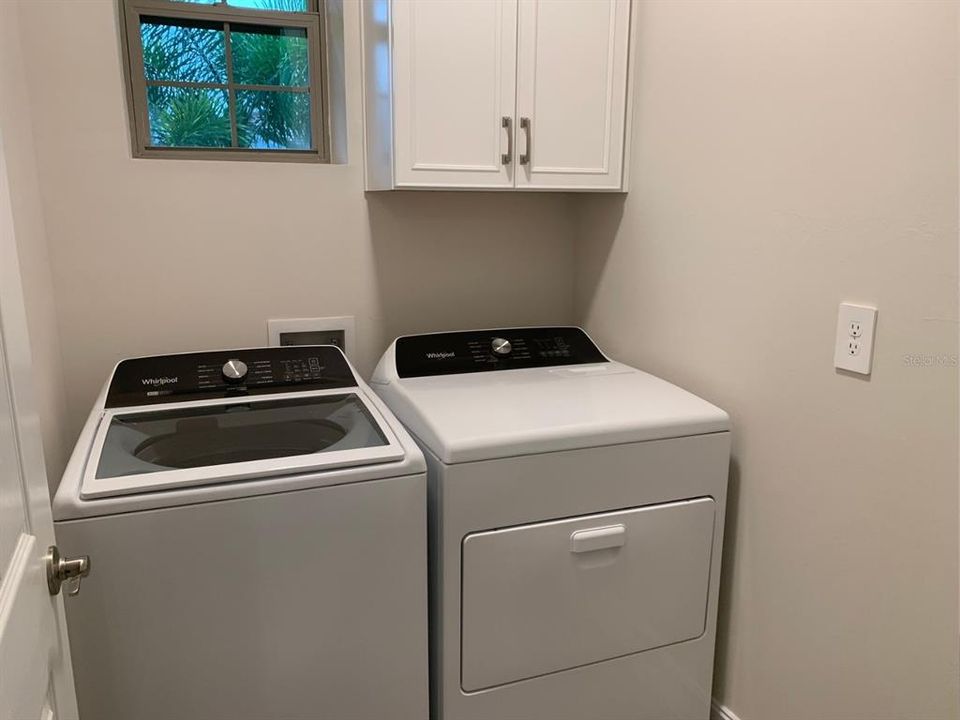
(855, 331)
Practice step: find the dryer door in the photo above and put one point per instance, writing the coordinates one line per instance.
(552, 596)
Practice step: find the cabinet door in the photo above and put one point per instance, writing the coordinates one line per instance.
(572, 92)
(454, 82)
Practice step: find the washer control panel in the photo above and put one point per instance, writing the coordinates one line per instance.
(489, 350)
(228, 373)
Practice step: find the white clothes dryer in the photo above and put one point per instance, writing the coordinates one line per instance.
(576, 510)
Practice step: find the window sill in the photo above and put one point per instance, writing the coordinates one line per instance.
(283, 156)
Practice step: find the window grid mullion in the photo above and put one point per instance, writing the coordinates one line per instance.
(231, 92)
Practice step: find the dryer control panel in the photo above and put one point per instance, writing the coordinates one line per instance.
(228, 373)
(488, 350)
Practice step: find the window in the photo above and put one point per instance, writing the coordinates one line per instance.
(227, 79)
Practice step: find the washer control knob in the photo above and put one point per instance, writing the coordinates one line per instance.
(501, 346)
(234, 370)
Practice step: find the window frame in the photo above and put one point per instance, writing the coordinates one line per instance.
(313, 22)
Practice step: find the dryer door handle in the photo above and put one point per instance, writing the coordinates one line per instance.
(601, 538)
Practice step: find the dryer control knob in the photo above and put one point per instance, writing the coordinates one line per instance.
(501, 346)
(234, 370)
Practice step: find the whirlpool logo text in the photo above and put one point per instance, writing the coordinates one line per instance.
(160, 381)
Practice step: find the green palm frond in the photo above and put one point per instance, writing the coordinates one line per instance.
(273, 119)
(281, 5)
(191, 118)
(182, 51)
(270, 59)
(189, 51)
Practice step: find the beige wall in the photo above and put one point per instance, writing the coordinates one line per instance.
(152, 256)
(18, 148)
(789, 155)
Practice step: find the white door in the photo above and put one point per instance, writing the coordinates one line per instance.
(36, 679)
(572, 93)
(454, 92)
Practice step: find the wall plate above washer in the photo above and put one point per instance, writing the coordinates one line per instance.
(339, 331)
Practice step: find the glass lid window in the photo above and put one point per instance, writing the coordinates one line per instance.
(235, 432)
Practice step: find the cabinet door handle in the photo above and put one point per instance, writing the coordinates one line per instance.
(525, 156)
(505, 123)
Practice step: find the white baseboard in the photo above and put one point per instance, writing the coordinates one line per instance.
(721, 712)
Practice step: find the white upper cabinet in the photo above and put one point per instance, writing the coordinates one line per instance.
(571, 93)
(454, 70)
(496, 94)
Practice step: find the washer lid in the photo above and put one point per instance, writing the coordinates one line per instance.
(152, 448)
(479, 416)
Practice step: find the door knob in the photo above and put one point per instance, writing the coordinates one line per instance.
(60, 570)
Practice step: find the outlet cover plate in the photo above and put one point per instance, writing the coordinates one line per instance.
(854, 352)
(338, 331)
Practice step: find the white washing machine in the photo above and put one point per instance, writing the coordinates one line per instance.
(256, 523)
(576, 510)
